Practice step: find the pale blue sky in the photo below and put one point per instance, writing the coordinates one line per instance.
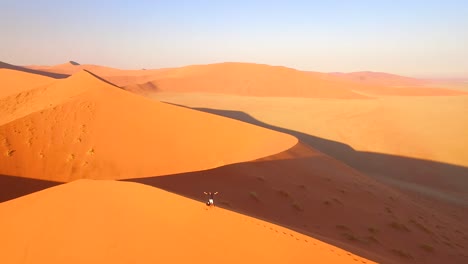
(410, 37)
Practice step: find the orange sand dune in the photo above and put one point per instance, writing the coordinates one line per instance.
(90, 129)
(385, 84)
(249, 79)
(380, 78)
(319, 196)
(264, 80)
(116, 76)
(257, 80)
(13, 82)
(424, 128)
(116, 222)
(73, 67)
(4, 65)
(95, 130)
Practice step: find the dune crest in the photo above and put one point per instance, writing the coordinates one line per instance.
(249, 79)
(102, 132)
(120, 222)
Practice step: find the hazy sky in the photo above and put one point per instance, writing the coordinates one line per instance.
(411, 37)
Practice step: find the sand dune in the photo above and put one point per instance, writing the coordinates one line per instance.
(416, 145)
(380, 78)
(91, 129)
(115, 222)
(317, 195)
(8, 66)
(385, 91)
(13, 82)
(83, 127)
(431, 128)
(249, 79)
(116, 76)
(263, 80)
(258, 80)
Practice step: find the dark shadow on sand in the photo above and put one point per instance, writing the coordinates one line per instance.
(12, 187)
(254, 193)
(4, 65)
(102, 79)
(436, 179)
(250, 188)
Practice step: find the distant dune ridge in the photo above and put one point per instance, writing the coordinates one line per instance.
(274, 81)
(259, 80)
(56, 129)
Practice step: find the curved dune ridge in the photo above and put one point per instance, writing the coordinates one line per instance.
(101, 132)
(84, 127)
(120, 222)
(308, 191)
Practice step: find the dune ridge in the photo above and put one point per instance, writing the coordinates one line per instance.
(108, 221)
(88, 118)
(261, 173)
(259, 80)
(319, 196)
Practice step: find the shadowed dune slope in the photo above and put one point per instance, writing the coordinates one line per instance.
(121, 222)
(90, 129)
(317, 195)
(14, 187)
(4, 65)
(424, 128)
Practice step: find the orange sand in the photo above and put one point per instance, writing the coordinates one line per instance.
(90, 129)
(380, 78)
(83, 127)
(263, 80)
(116, 76)
(115, 222)
(13, 82)
(258, 80)
(307, 191)
(248, 79)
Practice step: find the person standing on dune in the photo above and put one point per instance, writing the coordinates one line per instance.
(210, 198)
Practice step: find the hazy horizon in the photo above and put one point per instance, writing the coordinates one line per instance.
(416, 38)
